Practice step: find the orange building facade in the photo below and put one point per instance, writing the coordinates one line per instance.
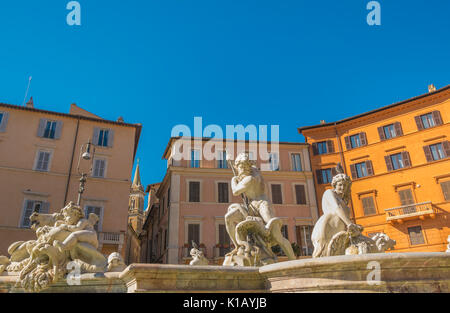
(39, 153)
(399, 159)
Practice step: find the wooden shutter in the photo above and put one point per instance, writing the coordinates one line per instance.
(330, 146)
(41, 127)
(319, 176)
(446, 190)
(28, 210)
(333, 172)
(314, 148)
(58, 129)
(277, 197)
(353, 171)
(45, 207)
(406, 197)
(406, 159)
(193, 234)
(95, 136)
(437, 117)
(388, 163)
(381, 133)
(446, 146)
(223, 192)
(416, 235)
(419, 122)
(428, 154)
(348, 143)
(4, 121)
(363, 139)
(300, 194)
(368, 205)
(369, 168)
(194, 191)
(110, 137)
(298, 232)
(398, 129)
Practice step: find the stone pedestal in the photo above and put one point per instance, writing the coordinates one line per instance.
(387, 272)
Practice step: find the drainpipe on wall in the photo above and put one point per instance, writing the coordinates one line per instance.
(71, 162)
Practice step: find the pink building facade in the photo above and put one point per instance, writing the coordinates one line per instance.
(196, 193)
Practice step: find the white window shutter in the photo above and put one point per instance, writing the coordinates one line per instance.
(59, 125)
(27, 211)
(4, 122)
(41, 128)
(110, 138)
(95, 136)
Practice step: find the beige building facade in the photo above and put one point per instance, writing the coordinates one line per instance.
(39, 153)
(195, 194)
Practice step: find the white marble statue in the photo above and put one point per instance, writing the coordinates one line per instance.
(197, 256)
(334, 232)
(61, 238)
(252, 226)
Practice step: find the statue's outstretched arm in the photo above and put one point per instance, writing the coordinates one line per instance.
(81, 225)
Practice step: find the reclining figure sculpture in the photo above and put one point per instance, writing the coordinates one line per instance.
(62, 238)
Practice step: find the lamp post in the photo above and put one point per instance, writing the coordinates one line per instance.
(85, 154)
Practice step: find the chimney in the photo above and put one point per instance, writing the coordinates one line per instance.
(322, 122)
(431, 88)
(30, 103)
(120, 119)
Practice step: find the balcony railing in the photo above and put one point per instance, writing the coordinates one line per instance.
(409, 211)
(110, 238)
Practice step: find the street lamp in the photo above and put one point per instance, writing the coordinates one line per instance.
(87, 153)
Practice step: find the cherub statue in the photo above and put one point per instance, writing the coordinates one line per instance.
(254, 218)
(197, 256)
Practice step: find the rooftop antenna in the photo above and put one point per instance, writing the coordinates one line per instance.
(26, 93)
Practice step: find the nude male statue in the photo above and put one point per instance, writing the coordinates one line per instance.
(249, 182)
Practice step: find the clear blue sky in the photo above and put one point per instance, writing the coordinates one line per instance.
(162, 62)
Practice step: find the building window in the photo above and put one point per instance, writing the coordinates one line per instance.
(103, 137)
(296, 162)
(437, 151)
(406, 198)
(274, 162)
(325, 176)
(389, 131)
(222, 159)
(97, 210)
(361, 169)
(195, 158)
(304, 239)
(416, 235)
(49, 129)
(355, 141)
(194, 191)
(446, 190)
(284, 231)
(99, 168)
(3, 121)
(224, 240)
(30, 207)
(300, 194)
(43, 161)
(398, 161)
(277, 197)
(368, 205)
(428, 120)
(323, 147)
(223, 192)
(193, 234)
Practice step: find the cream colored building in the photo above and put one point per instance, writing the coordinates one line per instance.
(39, 152)
(196, 193)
